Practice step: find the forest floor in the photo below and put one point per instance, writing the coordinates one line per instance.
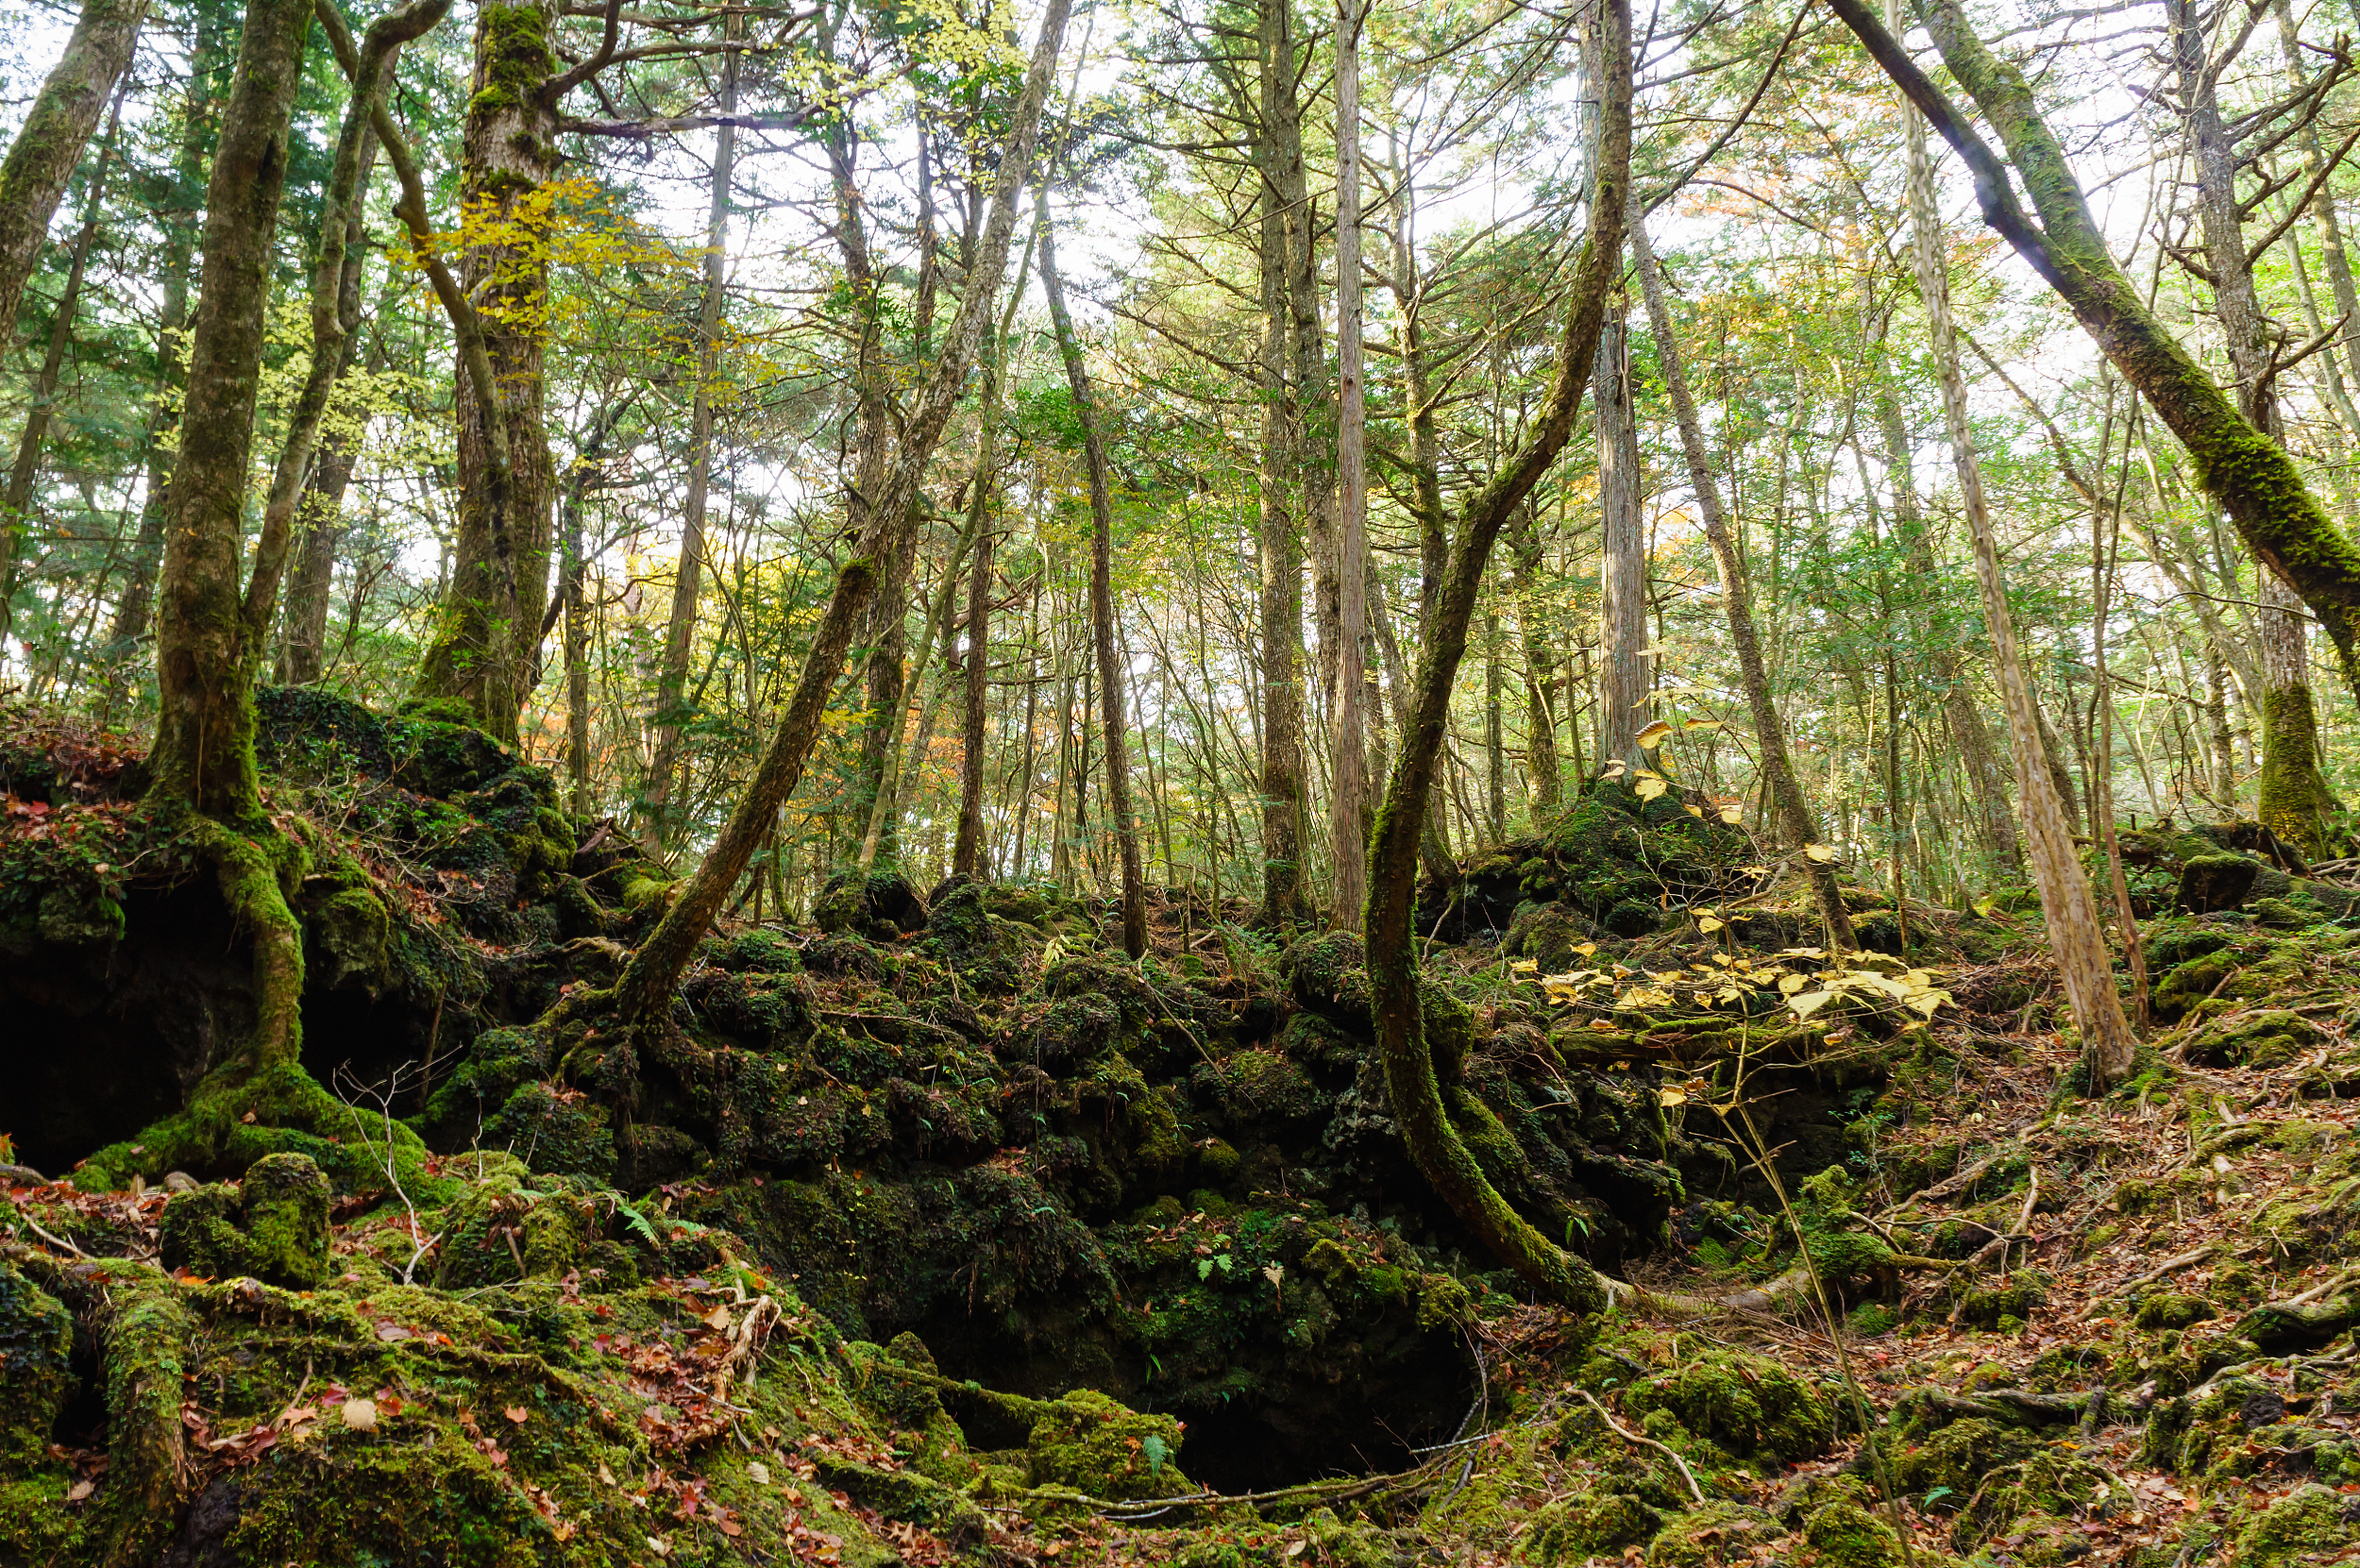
(939, 1233)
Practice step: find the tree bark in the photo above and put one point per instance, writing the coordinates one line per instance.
(1416, 1093)
(679, 633)
(481, 659)
(645, 986)
(42, 159)
(967, 851)
(2075, 937)
(1624, 681)
(1110, 681)
(1795, 821)
(1541, 762)
(1283, 788)
(2253, 478)
(1347, 817)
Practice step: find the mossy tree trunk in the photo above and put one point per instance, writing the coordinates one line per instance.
(481, 659)
(1348, 804)
(2253, 478)
(1778, 767)
(645, 989)
(213, 627)
(1416, 1092)
(2075, 937)
(63, 117)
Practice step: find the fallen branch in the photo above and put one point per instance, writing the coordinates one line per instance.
(1629, 1436)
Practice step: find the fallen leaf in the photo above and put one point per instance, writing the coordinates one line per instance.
(515, 1413)
(81, 1489)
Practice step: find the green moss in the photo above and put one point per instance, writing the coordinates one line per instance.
(1747, 1403)
(1602, 1525)
(1719, 1535)
(2166, 1310)
(36, 1344)
(1099, 1446)
(1846, 1535)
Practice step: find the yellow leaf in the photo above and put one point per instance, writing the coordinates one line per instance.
(1708, 723)
(1808, 1003)
(1649, 787)
(1789, 984)
(1819, 855)
(1667, 1095)
(1697, 812)
(1585, 949)
(1709, 924)
(1653, 736)
(1733, 815)
(1524, 966)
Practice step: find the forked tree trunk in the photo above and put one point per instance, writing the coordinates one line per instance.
(1778, 767)
(1419, 1106)
(2075, 937)
(645, 986)
(1110, 681)
(42, 159)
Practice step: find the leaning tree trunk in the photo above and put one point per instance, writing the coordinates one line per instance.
(1110, 681)
(645, 986)
(1777, 766)
(2251, 476)
(42, 159)
(1419, 1104)
(16, 507)
(487, 629)
(2075, 937)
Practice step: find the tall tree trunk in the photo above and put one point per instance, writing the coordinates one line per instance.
(679, 634)
(2251, 476)
(2330, 229)
(1347, 817)
(2075, 937)
(2295, 800)
(17, 505)
(1110, 681)
(1623, 584)
(1796, 821)
(487, 628)
(203, 758)
(966, 850)
(1420, 1106)
(1283, 787)
(42, 159)
(645, 986)
(181, 224)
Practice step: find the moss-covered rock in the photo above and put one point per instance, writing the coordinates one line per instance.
(1846, 1535)
(1747, 1403)
(36, 1374)
(272, 1226)
(1099, 1446)
(1601, 1525)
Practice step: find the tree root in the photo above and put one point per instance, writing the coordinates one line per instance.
(1754, 1300)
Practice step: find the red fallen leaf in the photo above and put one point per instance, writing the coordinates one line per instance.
(515, 1413)
(731, 1527)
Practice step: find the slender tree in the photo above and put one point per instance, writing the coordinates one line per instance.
(1419, 1105)
(1794, 815)
(1347, 817)
(48, 147)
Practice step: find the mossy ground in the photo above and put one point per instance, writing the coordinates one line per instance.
(945, 1233)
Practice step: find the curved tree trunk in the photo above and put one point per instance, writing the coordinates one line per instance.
(1416, 1093)
(42, 159)
(645, 988)
(1778, 767)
